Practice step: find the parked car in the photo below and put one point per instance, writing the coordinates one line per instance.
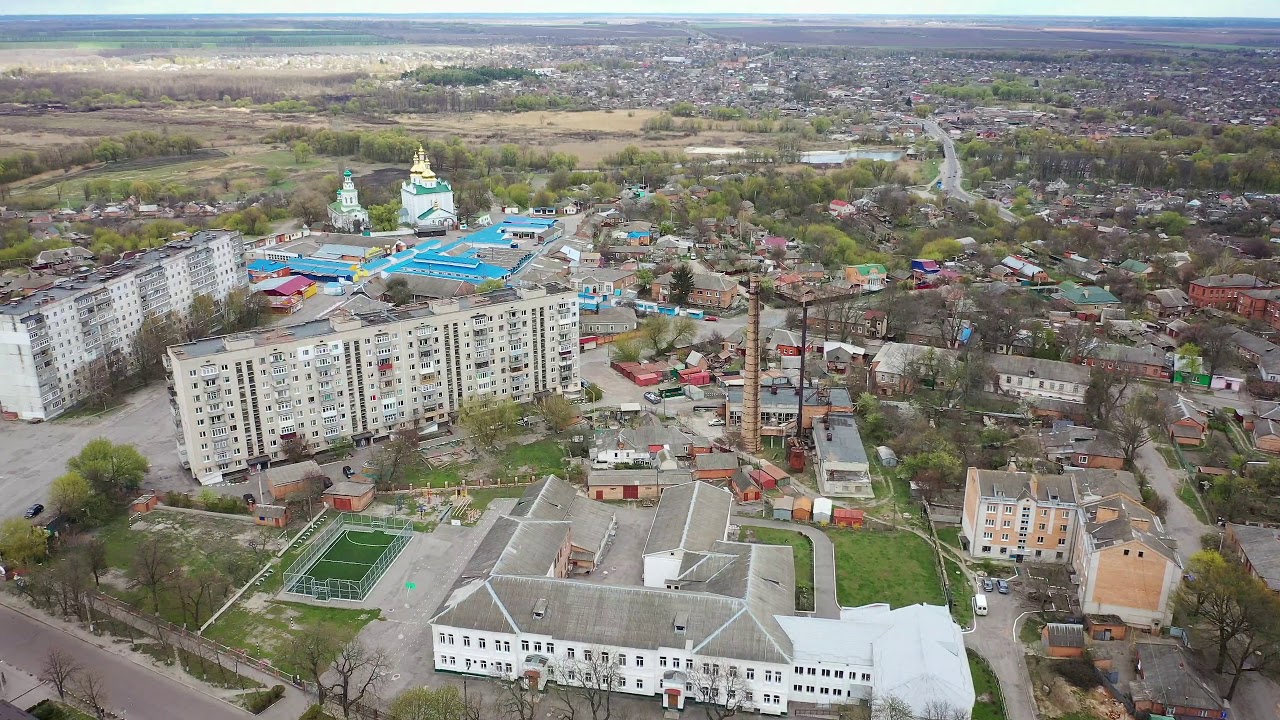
(1003, 587)
(715, 422)
(711, 318)
(653, 397)
(33, 511)
(988, 585)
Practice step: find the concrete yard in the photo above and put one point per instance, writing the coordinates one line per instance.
(31, 456)
(623, 561)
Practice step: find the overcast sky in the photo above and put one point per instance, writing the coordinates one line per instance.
(1157, 8)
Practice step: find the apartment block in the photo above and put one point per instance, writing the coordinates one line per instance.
(236, 399)
(51, 340)
(1019, 516)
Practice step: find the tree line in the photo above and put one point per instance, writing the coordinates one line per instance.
(129, 146)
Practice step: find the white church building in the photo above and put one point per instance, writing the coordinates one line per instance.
(426, 201)
(345, 213)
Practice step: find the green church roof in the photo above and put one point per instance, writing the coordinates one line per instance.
(441, 187)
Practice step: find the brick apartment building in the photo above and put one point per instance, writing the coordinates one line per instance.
(1222, 291)
(1019, 516)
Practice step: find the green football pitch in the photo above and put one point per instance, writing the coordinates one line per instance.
(351, 555)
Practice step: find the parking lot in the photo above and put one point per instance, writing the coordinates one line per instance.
(31, 456)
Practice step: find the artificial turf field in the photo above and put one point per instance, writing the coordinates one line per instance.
(351, 555)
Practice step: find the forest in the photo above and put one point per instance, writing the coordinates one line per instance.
(454, 76)
(130, 146)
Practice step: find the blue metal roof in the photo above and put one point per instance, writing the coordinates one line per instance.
(266, 266)
(323, 268)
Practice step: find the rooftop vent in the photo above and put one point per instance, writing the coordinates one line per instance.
(540, 608)
(828, 437)
(681, 622)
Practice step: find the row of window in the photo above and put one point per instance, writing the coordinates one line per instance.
(828, 672)
(1010, 509)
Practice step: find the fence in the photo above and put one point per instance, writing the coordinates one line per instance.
(298, 581)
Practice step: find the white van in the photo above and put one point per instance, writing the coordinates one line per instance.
(979, 604)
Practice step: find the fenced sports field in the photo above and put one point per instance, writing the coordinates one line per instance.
(346, 558)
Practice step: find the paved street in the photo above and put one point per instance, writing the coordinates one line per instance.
(952, 173)
(31, 456)
(132, 690)
(996, 640)
(824, 562)
(1179, 520)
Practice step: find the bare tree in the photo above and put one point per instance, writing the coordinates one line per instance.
(1075, 342)
(517, 701)
(89, 686)
(397, 458)
(199, 591)
(588, 681)
(358, 672)
(938, 709)
(891, 707)
(58, 670)
(312, 651)
(94, 551)
(152, 565)
(720, 692)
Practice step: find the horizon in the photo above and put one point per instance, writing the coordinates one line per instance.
(1030, 9)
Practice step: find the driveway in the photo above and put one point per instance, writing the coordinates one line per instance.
(995, 638)
(1179, 521)
(824, 562)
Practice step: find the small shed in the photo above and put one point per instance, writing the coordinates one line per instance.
(822, 508)
(887, 456)
(1106, 627)
(349, 496)
(276, 516)
(782, 507)
(145, 503)
(715, 467)
(848, 517)
(1063, 640)
(780, 477)
(802, 510)
(744, 487)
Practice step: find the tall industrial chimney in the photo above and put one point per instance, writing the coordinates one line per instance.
(751, 371)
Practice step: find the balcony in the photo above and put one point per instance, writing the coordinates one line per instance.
(427, 369)
(384, 365)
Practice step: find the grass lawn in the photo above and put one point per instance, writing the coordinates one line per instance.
(803, 550)
(54, 710)
(1170, 457)
(892, 567)
(985, 684)
(961, 594)
(539, 458)
(949, 535)
(269, 633)
(1187, 495)
(481, 498)
(438, 478)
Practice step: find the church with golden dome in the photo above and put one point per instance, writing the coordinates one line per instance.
(426, 201)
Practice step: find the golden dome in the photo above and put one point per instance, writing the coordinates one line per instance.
(421, 165)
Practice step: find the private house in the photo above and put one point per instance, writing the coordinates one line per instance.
(274, 516)
(840, 458)
(1263, 353)
(1222, 291)
(1190, 426)
(591, 523)
(1033, 378)
(1089, 299)
(635, 484)
(1025, 270)
(1170, 682)
(1258, 549)
(690, 519)
(715, 467)
(1169, 303)
(1126, 565)
(709, 290)
(1146, 361)
(1062, 640)
(1136, 268)
(867, 277)
(839, 357)
(601, 286)
(1260, 304)
(1019, 516)
(897, 366)
(1266, 435)
(285, 295)
(744, 486)
(609, 321)
(1082, 447)
(833, 323)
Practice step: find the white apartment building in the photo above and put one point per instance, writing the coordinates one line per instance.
(237, 398)
(48, 339)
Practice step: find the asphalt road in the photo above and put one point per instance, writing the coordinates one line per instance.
(995, 638)
(952, 173)
(132, 691)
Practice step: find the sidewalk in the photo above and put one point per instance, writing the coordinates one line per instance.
(21, 687)
(289, 707)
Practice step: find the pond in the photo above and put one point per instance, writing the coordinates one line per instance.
(836, 157)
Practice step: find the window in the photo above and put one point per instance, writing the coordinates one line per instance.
(622, 659)
(537, 647)
(991, 508)
(1039, 539)
(986, 548)
(1066, 514)
(639, 683)
(524, 646)
(586, 655)
(813, 671)
(466, 641)
(826, 672)
(824, 691)
(662, 660)
(1083, 460)
(1006, 523)
(441, 638)
(747, 696)
(570, 653)
(1004, 536)
(551, 648)
(796, 688)
(1044, 513)
(808, 688)
(1126, 551)
(987, 536)
(991, 522)
(866, 677)
(1041, 527)
(1062, 541)
(1141, 553)
(481, 643)
(1062, 528)
(604, 658)
(751, 673)
(639, 661)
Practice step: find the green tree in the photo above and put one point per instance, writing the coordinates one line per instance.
(301, 151)
(398, 459)
(487, 419)
(71, 494)
(385, 218)
(423, 703)
(398, 291)
(22, 543)
(342, 445)
(116, 471)
(309, 207)
(490, 285)
(656, 329)
(681, 284)
(626, 350)
(202, 317)
(684, 108)
(558, 412)
(275, 176)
